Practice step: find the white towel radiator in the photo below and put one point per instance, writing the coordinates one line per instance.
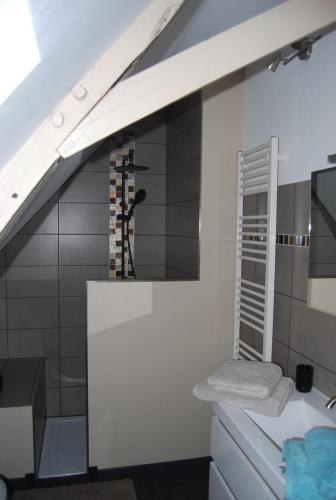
(256, 237)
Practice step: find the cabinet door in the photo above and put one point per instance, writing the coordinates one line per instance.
(218, 489)
(240, 475)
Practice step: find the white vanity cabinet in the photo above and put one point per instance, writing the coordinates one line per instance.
(233, 473)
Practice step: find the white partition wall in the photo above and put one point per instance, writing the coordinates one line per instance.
(149, 343)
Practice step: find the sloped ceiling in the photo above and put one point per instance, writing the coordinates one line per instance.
(199, 20)
(71, 35)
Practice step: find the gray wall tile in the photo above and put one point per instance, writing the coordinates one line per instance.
(184, 147)
(280, 355)
(246, 334)
(150, 272)
(183, 187)
(34, 250)
(184, 183)
(72, 279)
(300, 272)
(302, 207)
(323, 250)
(155, 186)
(174, 154)
(283, 269)
(191, 141)
(152, 156)
(324, 380)
(73, 372)
(52, 367)
(151, 130)
(313, 334)
(3, 344)
(99, 161)
(72, 311)
(84, 218)
(150, 219)
(73, 342)
(281, 320)
(181, 113)
(44, 222)
(20, 370)
(90, 250)
(150, 250)
(32, 281)
(183, 254)
(3, 257)
(248, 270)
(183, 218)
(33, 343)
(3, 291)
(172, 274)
(73, 401)
(285, 209)
(86, 187)
(32, 313)
(319, 224)
(53, 402)
(250, 204)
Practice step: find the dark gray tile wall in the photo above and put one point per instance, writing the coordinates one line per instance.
(183, 188)
(150, 216)
(43, 274)
(301, 334)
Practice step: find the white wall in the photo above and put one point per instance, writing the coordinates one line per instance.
(297, 103)
(149, 343)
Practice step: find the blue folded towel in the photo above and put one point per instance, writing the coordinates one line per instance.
(299, 481)
(320, 447)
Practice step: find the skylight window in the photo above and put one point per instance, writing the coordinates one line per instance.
(19, 53)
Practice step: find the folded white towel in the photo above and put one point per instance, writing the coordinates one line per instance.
(255, 379)
(271, 406)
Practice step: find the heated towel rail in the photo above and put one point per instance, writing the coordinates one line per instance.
(256, 235)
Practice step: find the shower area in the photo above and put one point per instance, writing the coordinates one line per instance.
(129, 212)
(154, 195)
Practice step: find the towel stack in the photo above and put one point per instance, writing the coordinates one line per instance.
(252, 385)
(310, 465)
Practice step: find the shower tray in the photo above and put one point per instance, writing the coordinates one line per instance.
(64, 451)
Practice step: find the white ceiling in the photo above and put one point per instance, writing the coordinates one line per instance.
(199, 20)
(71, 35)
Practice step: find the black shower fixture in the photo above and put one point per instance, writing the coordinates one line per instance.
(128, 167)
(139, 198)
(303, 50)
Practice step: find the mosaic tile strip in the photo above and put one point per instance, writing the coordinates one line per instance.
(122, 145)
(295, 240)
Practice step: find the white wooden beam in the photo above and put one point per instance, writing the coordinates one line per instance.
(198, 66)
(27, 168)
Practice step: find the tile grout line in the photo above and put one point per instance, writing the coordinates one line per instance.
(59, 305)
(6, 304)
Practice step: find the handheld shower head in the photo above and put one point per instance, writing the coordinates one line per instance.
(139, 198)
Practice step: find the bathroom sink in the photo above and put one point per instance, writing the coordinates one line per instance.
(261, 438)
(301, 413)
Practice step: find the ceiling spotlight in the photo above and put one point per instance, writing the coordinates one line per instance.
(303, 50)
(274, 64)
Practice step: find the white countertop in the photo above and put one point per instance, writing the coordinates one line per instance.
(261, 444)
